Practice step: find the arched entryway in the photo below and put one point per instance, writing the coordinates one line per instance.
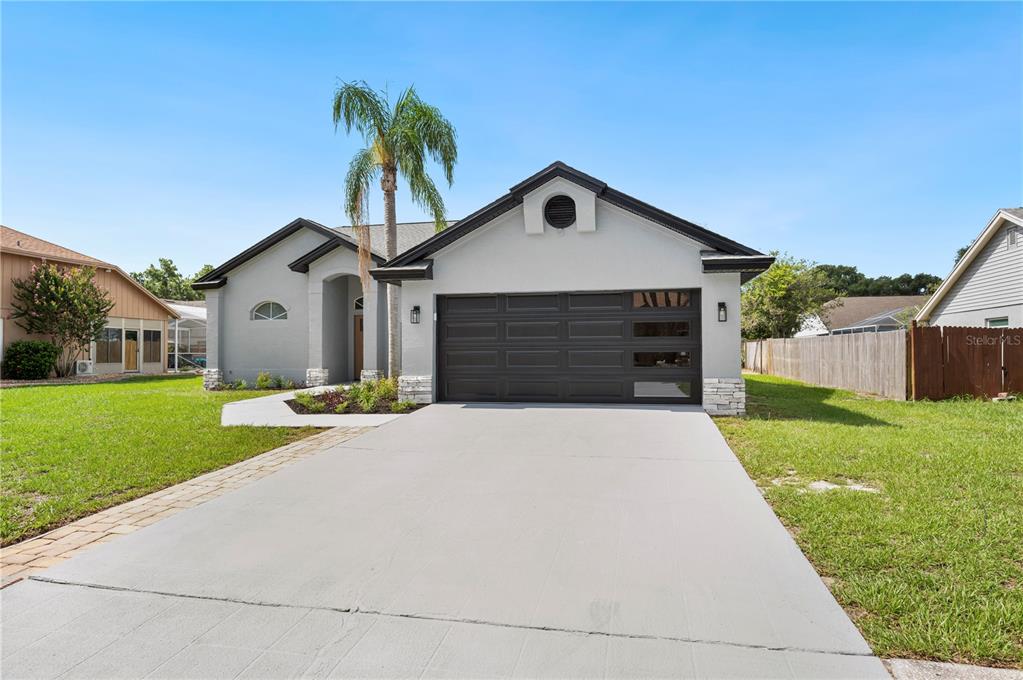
(345, 336)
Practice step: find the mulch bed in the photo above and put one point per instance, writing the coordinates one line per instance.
(332, 398)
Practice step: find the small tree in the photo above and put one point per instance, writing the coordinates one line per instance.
(775, 304)
(165, 281)
(63, 304)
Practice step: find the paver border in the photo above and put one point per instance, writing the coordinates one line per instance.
(32, 556)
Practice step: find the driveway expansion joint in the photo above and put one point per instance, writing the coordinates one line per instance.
(453, 619)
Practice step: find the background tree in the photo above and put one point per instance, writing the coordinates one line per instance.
(63, 304)
(961, 252)
(399, 140)
(849, 281)
(775, 304)
(168, 283)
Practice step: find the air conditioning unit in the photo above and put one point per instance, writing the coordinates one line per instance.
(83, 367)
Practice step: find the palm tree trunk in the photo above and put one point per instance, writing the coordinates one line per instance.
(388, 182)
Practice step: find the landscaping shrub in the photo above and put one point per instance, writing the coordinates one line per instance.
(403, 406)
(371, 396)
(386, 388)
(264, 381)
(310, 402)
(29, 360)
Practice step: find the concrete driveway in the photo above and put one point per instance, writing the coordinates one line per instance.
(462, 540)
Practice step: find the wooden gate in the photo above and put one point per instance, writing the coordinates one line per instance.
(1012, 359)
(951, 361)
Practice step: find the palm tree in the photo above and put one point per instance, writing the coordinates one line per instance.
(399, 140)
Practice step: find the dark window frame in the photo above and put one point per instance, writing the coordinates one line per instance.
(109, 343)
(151, 350)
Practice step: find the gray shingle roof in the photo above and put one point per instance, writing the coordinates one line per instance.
(849, 311)
(1015, 212)
(410, 234)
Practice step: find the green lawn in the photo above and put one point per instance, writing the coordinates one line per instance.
(71, 450)
(931, 565)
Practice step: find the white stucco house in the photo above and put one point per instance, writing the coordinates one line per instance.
(561, 290)
(986, 286)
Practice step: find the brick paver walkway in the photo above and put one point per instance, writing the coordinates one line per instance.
(29, 557)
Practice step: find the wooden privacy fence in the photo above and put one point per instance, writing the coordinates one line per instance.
(862, 362)
(950, 361)
(927, 362)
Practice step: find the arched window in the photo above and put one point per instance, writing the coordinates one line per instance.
(269, 311)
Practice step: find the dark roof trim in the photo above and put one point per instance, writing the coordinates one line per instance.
(420, 271)
(270, 241)
(555, 170)
(736, 263)
(748, 266)
(207, 285)
(301, 265)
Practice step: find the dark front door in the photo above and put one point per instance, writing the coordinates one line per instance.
(357, 341)
(622, 346)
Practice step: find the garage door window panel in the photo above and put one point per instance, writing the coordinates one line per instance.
(654, 389)
(662, 299)
(662, 359)
(660, 329)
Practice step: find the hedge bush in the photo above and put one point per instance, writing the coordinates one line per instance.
(29, 360)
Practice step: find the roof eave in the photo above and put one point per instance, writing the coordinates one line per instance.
(209, 285)
(421, 271)
(964, 263)
(301, 265)
(270, 241)
(747, 266)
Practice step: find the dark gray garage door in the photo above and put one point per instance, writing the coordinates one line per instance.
(623, 346)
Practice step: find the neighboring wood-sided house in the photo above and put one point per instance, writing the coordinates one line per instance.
(134, 340)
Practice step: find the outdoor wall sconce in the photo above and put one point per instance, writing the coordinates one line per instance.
(414, 314)
(722, 311)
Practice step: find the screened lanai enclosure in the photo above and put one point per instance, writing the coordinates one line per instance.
(186, 337)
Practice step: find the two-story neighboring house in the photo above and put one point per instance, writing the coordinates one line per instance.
(986, 286)
(134, 340)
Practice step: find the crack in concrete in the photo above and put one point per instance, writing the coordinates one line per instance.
(455, 619)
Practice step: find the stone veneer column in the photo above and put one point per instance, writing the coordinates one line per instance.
(724, 396)
(370, 374)
(316, 377)
(417, 388)
(213, 374)
(212, 378)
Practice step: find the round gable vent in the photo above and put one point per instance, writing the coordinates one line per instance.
(560, 212)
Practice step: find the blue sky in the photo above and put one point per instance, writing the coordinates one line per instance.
(877, 135)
